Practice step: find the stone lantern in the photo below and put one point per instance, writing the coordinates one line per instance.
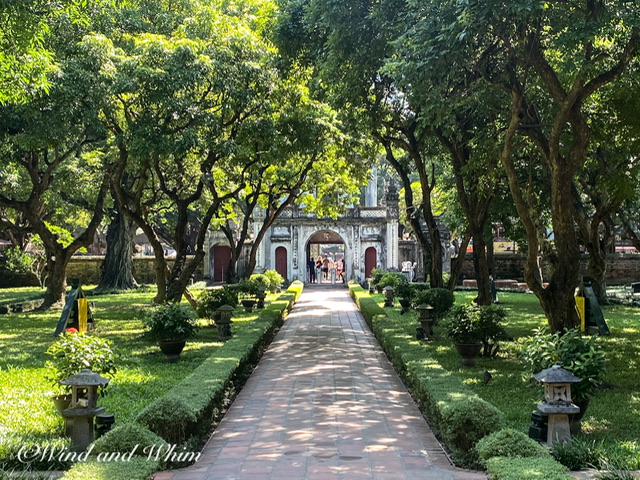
(372, 287)
(261, 295)
(388, 296)
(427, 319)
(557, 402)
(83, 407)
(225, 312)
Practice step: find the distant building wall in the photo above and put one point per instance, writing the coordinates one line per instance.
(87, 269)
(621, 268)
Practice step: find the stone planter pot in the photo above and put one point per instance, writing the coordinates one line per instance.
(575, 419)
(469, 352)
(62, 402)
(405, 303)
(248, 304)
(172, 349)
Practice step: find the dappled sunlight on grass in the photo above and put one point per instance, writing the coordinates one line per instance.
(592, 425)
(613, 416)
(16, 295)
(143, 373)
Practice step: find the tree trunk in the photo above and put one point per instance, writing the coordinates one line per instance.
(117, 268)
(56, 280)
(558, 298)
(456, 266)
(435, 279)
(481, 267)
(181, 274)
(597, 269)
(160, 266)
(412, 211)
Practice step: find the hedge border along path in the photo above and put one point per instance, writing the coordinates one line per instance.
(184, 415)
(454, 411)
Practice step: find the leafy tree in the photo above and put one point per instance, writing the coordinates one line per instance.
(176, 106)
(548, 60)
(49, 149)
(554, 71)
(347, 43)
(25, 61)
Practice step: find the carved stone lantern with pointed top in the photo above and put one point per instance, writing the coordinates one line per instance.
(372, 287)
(223, 321)
(389, 295)
(83, 407)
(261, 295)
(557, 402)
(427, 319)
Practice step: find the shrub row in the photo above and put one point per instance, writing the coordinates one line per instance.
(184, 414)
(367, 305)
(526, 468)
(471, 428)
(457, 415)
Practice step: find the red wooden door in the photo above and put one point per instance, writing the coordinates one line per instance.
(281, 261)
(370, 261)
(221, 259)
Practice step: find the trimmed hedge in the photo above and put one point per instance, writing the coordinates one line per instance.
(442, 396)
(189, 408)
(467, 421)
(367, 305)
(529, 468)
(456, 414)
(137, 468)
(509, 443)
(185, 414)
(127, 438)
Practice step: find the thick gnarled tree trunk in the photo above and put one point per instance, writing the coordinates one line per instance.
(117, 268)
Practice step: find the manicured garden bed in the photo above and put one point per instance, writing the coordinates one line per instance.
(611, 424)
(27, 415)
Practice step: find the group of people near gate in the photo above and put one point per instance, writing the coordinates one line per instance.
(321, 269)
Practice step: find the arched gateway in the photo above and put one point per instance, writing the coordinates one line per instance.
(365, 237)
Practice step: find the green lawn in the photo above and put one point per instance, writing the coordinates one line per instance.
(613, 416)
(27, 414)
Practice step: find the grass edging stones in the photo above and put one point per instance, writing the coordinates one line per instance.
(184, 415)
(457, 415)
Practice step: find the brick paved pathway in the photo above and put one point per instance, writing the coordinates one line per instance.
(323, 403)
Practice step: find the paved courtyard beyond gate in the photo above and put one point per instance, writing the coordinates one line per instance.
(323, 403)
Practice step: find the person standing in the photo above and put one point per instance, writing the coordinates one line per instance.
(319, 269)
(311, 265)
(326, 264)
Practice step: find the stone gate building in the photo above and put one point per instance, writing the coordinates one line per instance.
(369, 235)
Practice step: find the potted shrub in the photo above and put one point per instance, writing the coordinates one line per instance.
(247, 291)
(262, 280)
(377, 274)
(491, 329)
(462, 326)
(171, 324)
(403, 290)
(211, 300)
(73, 352)
(441, 299)
(275, 280)
(579, 354)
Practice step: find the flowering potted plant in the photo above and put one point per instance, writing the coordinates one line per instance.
(73, 352)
